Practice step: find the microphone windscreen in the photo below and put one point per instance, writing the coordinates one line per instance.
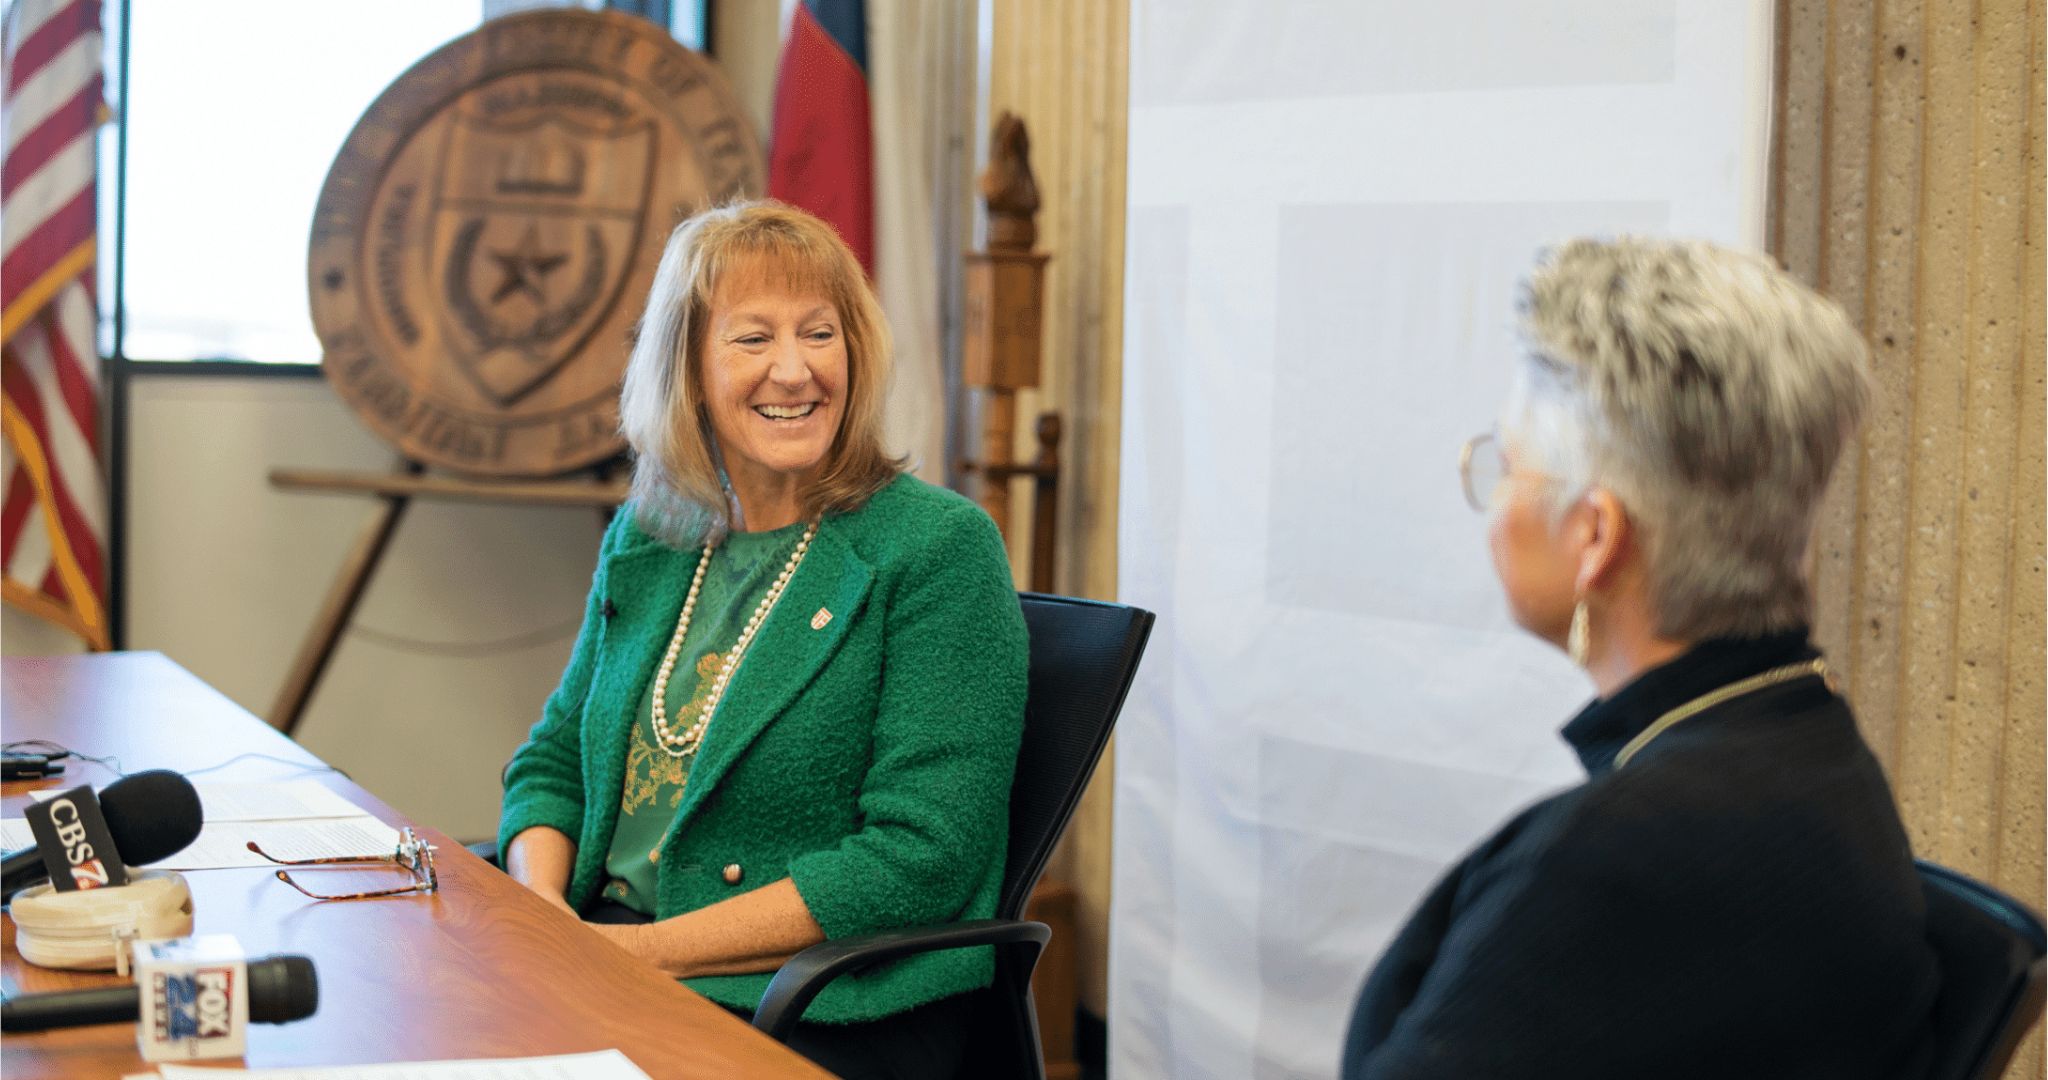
(151, 815)
(282, 989)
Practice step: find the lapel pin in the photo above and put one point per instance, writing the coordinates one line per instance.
(819, 620)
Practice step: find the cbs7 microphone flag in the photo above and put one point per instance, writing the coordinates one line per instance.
(53, 505)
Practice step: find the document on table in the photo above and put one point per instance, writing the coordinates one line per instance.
(273, 802)
(225, 845)
(259, 802)
(299, 819)
(602, 1065)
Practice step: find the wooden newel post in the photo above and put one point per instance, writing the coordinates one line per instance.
(1045, 517)
(1005, 287)
(1005, 292)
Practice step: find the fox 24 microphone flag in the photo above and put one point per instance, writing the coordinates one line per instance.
(52, 508)
(820, 157)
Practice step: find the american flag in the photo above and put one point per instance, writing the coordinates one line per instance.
(53, 511)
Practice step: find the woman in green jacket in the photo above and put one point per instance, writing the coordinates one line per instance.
(793, 710)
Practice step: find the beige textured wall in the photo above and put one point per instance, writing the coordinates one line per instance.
(746, 37)
(1908, 186)
(1061, 65)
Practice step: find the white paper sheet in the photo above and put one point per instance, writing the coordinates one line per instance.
(259, 802)
(297, 819)
(601, 1065)
(223, 845)
(273, 802)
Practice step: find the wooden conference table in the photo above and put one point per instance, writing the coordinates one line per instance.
(482, 969)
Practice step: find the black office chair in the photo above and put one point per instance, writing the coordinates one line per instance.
(1083, 657)
(1991, 950)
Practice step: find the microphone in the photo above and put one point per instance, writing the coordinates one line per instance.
(149, 816)
(281, 989)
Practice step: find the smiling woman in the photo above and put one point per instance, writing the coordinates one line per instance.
(794, 708)
(774, 375)
(775, 314)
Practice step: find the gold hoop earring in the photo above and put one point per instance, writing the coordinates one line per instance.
(1577, 639)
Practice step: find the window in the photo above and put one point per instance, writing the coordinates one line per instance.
(237, 110)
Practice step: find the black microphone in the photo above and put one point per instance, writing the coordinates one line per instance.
(150, 816)
(281, 989)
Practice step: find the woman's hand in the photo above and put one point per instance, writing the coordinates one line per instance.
(628, 936)
(540, 859)
(752, 932)
(556, 899)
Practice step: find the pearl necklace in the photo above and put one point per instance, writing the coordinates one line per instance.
(686, 744)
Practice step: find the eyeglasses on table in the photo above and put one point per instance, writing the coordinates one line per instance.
(413, 855)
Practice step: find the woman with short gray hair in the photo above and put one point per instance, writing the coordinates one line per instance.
(1730, 893)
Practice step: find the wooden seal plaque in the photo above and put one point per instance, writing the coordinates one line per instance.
(487, 235)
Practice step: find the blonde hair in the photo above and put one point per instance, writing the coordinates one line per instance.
(677, 490)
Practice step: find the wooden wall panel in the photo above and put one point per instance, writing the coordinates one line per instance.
(1062, 66)
(2021, 802)
(1908, 185)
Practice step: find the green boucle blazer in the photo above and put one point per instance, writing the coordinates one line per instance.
(868, 758)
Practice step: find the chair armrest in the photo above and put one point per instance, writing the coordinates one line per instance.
(810, 971)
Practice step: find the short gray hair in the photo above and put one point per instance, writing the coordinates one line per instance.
(1712, 394)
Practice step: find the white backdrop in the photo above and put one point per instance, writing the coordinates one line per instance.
(1331, 204)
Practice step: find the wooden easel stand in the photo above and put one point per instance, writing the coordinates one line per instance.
(394, 492)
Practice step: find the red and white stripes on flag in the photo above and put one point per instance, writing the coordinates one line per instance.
(53, 511)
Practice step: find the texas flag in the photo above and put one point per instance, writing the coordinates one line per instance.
(820, 155)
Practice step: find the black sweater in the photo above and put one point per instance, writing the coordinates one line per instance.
(1739, 900)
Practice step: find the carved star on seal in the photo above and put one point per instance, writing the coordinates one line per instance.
(525, 268)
